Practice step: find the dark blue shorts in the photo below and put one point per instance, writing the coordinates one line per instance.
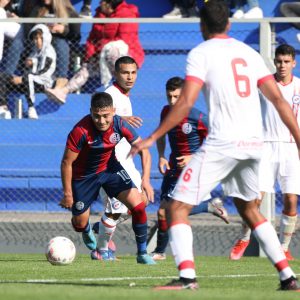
(85, 191)
(167, 186)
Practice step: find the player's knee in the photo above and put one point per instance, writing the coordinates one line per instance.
(79, 226)
(161, 214)
(139, 214)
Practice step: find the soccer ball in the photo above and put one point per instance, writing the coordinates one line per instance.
(60, 251)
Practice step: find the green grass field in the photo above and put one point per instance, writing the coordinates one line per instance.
(30, 276)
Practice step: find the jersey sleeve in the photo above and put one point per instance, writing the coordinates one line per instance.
(76, 139)
(128, 132)
(261, 70)
(195, 67)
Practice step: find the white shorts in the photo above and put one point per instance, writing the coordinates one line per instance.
(114, 205)
(208, 168)
(280, 162)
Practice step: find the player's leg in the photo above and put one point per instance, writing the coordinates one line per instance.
(243, 184)
(132, 199)
(288, 222)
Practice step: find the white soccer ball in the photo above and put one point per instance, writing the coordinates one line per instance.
(60, 251)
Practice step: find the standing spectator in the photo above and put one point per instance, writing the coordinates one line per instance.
(116, 36)
(183, 9)
(280, 161)
(184, 139)
(291, 9)
(253, 12)
(232, 149)
(41, 66)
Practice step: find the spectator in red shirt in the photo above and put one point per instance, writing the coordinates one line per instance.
(108, 41)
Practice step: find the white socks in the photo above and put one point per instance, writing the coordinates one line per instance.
(287, 228)
(107, 227)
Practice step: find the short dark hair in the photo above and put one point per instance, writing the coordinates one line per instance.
(174, 83)
(285, 49)
(215, 15)
(113, 3)
(101, 100)
(127, 60)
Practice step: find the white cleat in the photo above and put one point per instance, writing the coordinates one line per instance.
(216, 207)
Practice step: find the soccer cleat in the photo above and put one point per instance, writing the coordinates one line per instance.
(216, 207)
(32, 114)
(57, 94)
(89, 239)
(175, 13)
(179, 284)
(106, 255)
(238, 249)
(145, 259)
(158, 256)
(290, 284)
(288, 255)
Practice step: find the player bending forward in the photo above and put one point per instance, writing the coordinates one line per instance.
(89, 163)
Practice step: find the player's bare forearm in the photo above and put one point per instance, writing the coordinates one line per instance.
(161, 146)
(146, 163)
(133, 121)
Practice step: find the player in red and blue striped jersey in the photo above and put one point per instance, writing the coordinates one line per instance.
(89, 163)
(185, 139)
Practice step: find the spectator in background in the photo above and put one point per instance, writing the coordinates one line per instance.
(253, 12)
(86, 9)
(109, 41)
(41, 67)
(183, 9)
(291, 9)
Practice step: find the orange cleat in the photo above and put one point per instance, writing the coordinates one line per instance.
(288, 255)
(238, 249)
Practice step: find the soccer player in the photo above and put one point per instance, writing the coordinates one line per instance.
(184, 139)
(126, 70)
(89, 163)
(230, 73)
(280, 161)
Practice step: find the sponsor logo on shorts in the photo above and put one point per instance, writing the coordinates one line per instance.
(186, 128)
(79, 205)
(114, 138)
(296, 99)
(116, 205)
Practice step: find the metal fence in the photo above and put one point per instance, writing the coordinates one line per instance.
(31, 150)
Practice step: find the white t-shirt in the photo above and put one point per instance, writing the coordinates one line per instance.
(8, 29)
(231, 72)
(274, 129)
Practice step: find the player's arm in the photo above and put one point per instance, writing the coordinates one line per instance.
(271, 91)
(66, 177)
(163, 163)
(133, 121)
(181, 108)
(146, 168)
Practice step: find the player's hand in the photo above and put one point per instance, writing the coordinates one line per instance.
(139, 146)
(182, 161)
(163, 165)
(17, 80)
(66, 202)
(134, 121)
(148, 190)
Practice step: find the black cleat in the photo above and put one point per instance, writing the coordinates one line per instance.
(290, 284)
(179, 284)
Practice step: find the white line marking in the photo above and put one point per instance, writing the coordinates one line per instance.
(131, 278)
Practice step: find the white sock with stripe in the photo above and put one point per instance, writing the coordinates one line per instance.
(107, 227)
(268, 240)
(181, 241)
(287, 228)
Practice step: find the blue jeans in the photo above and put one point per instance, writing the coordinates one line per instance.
(62, 49)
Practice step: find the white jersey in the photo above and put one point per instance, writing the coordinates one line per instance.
(231, 72)
(274, 129)
(121, 101)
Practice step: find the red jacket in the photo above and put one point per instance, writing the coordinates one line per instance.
(101, 34)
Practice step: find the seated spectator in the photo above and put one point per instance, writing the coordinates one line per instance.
(41, 66)
(85, 11)
(183, 9)
(253, 12)
(107, 42)
(291, 9)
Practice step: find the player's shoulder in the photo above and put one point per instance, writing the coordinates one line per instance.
(296, 80)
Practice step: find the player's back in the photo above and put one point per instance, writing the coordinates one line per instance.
(231, 72)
